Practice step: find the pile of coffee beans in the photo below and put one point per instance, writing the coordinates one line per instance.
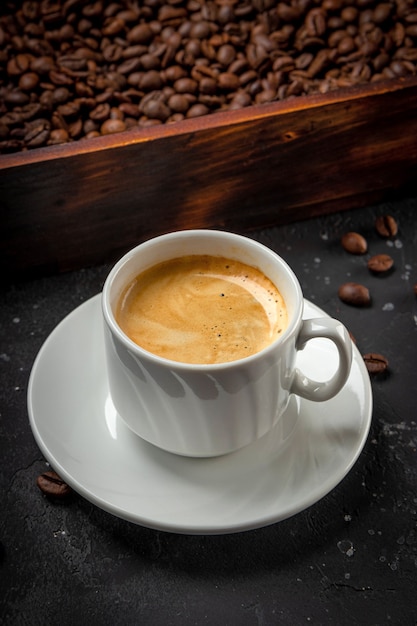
(357, 294)
(73, 69)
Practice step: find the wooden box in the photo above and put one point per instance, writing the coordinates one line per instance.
(80, 204)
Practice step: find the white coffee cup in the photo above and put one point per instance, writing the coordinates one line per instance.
(209, 410)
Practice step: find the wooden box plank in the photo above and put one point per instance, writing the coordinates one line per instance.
(84, 203)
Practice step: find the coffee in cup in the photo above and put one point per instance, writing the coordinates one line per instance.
(202, 309)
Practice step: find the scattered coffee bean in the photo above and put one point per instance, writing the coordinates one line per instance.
(386, 226)
(354, 294)
(375, 363)
(52, 485)
(354, 243)
(380, 263)
(415, 289)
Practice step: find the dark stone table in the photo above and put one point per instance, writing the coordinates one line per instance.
(351, 558)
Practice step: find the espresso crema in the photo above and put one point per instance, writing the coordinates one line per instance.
(202, 309)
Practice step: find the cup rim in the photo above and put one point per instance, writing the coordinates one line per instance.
(178, 234)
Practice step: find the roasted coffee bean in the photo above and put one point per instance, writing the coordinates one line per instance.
(38, 134)
(101, 112)
(380, 263)
(149, 81)
(349, 14)
(319, 63)
(354, 294)
(354, 243)
(16, 98)
(83, 90)
(185, 85)
(178, 103)
(375, 363)
(60, 95)
(113, 27)
(52, 485)
(140, 34)
(60, 78)
(346, 45)
(386, 226)
(112, 126)
(240, 100)
(57, 136)
(197, 110)
(382, 12)
(28, 81)
(18, 65)
(92, 134)
(207, 85)
(228, 81)
(401, 68)
(58, 121)
(315, 22)
(156, 109)
(415, 289)
(75, 129)
(69, 110)
(226, 54)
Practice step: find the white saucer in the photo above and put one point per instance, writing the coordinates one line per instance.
(86, 443)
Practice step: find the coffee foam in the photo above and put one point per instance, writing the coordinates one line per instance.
(202, 309)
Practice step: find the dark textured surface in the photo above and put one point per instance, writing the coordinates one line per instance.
(349, 559)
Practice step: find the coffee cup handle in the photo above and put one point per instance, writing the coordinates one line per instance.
(334, 330)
